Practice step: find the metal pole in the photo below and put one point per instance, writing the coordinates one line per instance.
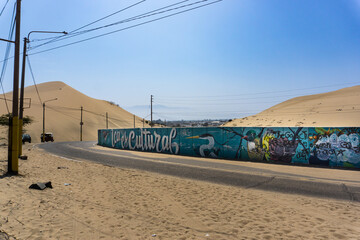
(107, 123)
(81, 123)
(151, 101)
(143, 122)
(21, 113)
(43, 136)
(13, 148)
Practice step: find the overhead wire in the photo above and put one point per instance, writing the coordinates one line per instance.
(56, 110)
(4, 8)
(33, 78)
(256, 93)
(126, 28)
(7, 52)
(91, 23)
(225, 103)
(99, 114)
(194, 104)
(138, 17)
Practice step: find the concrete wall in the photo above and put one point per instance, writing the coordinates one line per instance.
(315, 146)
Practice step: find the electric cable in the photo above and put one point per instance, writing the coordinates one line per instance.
(99, 114)
(259, 93)
(7, 52)
(56, 110)
(126, 28)
(4, 7)
(144, 15)
(33, 78)
(121, 10)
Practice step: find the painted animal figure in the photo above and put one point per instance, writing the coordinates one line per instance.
(207, 150)
(254, 145)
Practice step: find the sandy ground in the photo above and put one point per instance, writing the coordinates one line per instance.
(112, 203)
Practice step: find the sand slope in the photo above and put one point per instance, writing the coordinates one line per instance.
(62, 116)
(339, 108)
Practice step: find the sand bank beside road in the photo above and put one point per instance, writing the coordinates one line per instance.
(92, 201)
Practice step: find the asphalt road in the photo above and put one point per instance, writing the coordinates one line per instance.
(222, 171)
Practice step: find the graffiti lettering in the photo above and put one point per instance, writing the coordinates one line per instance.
(320, 146)
(146, 141)
(345, 145)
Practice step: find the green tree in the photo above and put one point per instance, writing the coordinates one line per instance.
(4, 120)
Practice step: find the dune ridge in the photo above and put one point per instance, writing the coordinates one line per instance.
(62, 116)
(339, 108)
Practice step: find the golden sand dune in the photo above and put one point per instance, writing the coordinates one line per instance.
(62, 116)
(339, 108)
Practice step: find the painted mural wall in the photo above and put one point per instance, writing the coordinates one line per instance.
(302, 145)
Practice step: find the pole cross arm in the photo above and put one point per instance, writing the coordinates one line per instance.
(5, 40)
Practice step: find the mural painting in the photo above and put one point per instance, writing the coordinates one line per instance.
(315, 146)
(335, 147)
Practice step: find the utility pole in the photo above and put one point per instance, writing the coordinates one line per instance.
(81, 123)
(43, 134)
(134, 120)
(21, 113)
(13, 147)
(143, 122)
(107, 123)
(151, 102)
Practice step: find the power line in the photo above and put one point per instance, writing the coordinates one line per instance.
(121, 10)
(102, 115)
(126, 28)
(4, 7)
(33, 78)
(56, 110)
(228, 102)
(7, 52)
(138, 17)
(256, 93)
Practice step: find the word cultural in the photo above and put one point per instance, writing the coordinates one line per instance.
(146, 140)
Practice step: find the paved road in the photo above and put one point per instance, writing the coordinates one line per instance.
(221, 171)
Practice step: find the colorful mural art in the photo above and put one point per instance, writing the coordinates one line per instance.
(293, 145)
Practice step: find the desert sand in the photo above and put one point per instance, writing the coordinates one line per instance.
(62, 116)
(92, 201)
(339, 108)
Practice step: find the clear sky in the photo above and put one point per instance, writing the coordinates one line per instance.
(229, 59)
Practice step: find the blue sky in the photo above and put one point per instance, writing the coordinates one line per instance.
(230, 59)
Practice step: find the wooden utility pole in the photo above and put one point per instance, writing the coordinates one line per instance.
(151, 113)
(21, 112)
(43, 135)
(81, 122)
(13, 147)
(107, 121)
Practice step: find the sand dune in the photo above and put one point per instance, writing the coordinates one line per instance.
(334, 109)
(62, 116)
(339, 108)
